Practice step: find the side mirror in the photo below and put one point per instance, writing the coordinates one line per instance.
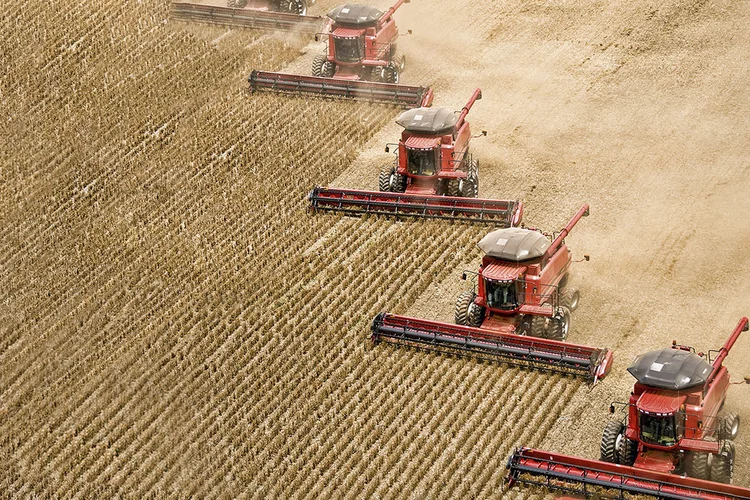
(612, 409)
(387, 149)
(586, 257)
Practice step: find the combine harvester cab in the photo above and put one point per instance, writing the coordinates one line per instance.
(360, 62)
(519, 315)
(274, 15)
(434, 175)
(673, 443)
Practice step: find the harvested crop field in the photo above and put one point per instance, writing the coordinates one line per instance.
(174, 322)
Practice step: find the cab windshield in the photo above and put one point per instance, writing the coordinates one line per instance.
(501, 294)
(422, 161)
(348, 49)
(658, 429)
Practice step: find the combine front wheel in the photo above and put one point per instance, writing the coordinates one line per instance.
(317, 64)
(463, 302)
(384, 179)
(475, 315)
(627, 451)
(471, 184)
(538, 326)
(559, 325)
(298, 7)
(722, 464)
(390, 181)
(729, 426)
(390, 73)
(452, 189)
(328, 69)
(696, 465)
(611, 437)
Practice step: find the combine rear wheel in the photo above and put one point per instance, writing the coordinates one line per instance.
(400, 61)
(317, 65)
(613, 433)
(236, 4)
(696, 465)
(570, 298)
(729, 426)
(463, 302)
(722, 464)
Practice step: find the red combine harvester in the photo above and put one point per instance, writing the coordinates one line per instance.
(522, 284)
(519, 296)
(276, 15)
(360, 61)
(673, 444)
(434, 175)
(362, 43)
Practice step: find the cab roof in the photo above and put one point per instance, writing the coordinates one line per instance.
(514, 244)
(436, 121)
(672, 369)
(354, 14)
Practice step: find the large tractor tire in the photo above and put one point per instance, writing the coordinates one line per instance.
(452, 188)
(400, 61)
(559, 325)
(384, 179)
(470, 186)
(538, 326)
(729, 426)
(391, 73)
(317, 65)
(390, 181)
(328, 69)
(298, 7)
(721, 466)
(613, 433)
(475, 316)
(236, 4)
(570, 298)
(696, 465)
(463, 302)
(627, 450)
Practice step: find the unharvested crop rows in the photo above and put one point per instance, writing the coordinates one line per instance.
(172, 324)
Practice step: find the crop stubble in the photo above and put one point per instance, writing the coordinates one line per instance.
(172, 318)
